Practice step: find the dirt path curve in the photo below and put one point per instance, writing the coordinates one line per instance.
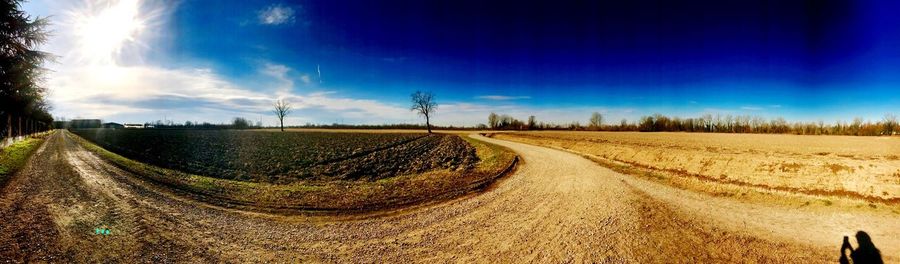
(557, 207)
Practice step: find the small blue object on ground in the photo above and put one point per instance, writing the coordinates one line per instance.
(101, 231)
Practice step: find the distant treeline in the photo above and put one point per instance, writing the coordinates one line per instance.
(243, 123)
(384, 126)
(653, 123)
(708, 123)
(237, 123)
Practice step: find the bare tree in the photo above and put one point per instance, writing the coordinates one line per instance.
(493, 120)
(423, 103)
(596, 120)
(856, 126)
(282, 108)
(532, 123)
(890, 124)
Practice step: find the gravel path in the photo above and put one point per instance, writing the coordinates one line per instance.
(557, 207)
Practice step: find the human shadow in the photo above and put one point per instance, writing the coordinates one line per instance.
(866, 252)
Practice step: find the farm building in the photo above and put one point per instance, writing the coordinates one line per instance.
(112, 125)
(85, 123)
(134, 125)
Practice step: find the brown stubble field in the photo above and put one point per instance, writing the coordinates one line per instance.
(861, 168)
(213, 179)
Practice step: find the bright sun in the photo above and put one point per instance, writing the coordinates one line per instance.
(103, 31)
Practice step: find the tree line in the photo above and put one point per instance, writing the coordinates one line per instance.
(506, 122)
(236, 123)
(23, 108)
(888, 125)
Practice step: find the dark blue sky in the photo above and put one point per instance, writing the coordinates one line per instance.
(804, 60)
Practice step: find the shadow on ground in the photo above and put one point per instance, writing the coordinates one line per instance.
(866, 252)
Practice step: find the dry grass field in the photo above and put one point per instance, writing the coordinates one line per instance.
(857, 167)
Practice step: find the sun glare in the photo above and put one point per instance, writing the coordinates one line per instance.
(104, 30)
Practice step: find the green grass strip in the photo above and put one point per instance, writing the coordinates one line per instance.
(13, 157)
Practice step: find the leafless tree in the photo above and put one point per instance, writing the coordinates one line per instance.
(575, 125)
(596, 120)
(856, 126)
(424, 104)
(890, 124)
(493, 120)
(282, 109)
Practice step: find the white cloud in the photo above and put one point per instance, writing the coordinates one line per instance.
(502, 97)
(276, 14)
(138, 91)
(142, 93)
(275, 70)
(279, 73)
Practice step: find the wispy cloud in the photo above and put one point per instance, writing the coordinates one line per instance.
(305, 79)
(716, 111)
(758, 108)
(319, 72)
(279, 74)
(502, 97)
(276, 14)
(140, 91)
(201, 95)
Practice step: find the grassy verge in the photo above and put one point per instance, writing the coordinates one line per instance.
(325, 196)
(13, 157)
(490, 156)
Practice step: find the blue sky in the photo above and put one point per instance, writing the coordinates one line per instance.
(358, 61)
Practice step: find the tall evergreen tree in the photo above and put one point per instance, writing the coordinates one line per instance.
(21, 71)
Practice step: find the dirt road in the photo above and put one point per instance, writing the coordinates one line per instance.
(558, 207)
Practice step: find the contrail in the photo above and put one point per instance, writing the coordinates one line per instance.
(319, 71)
